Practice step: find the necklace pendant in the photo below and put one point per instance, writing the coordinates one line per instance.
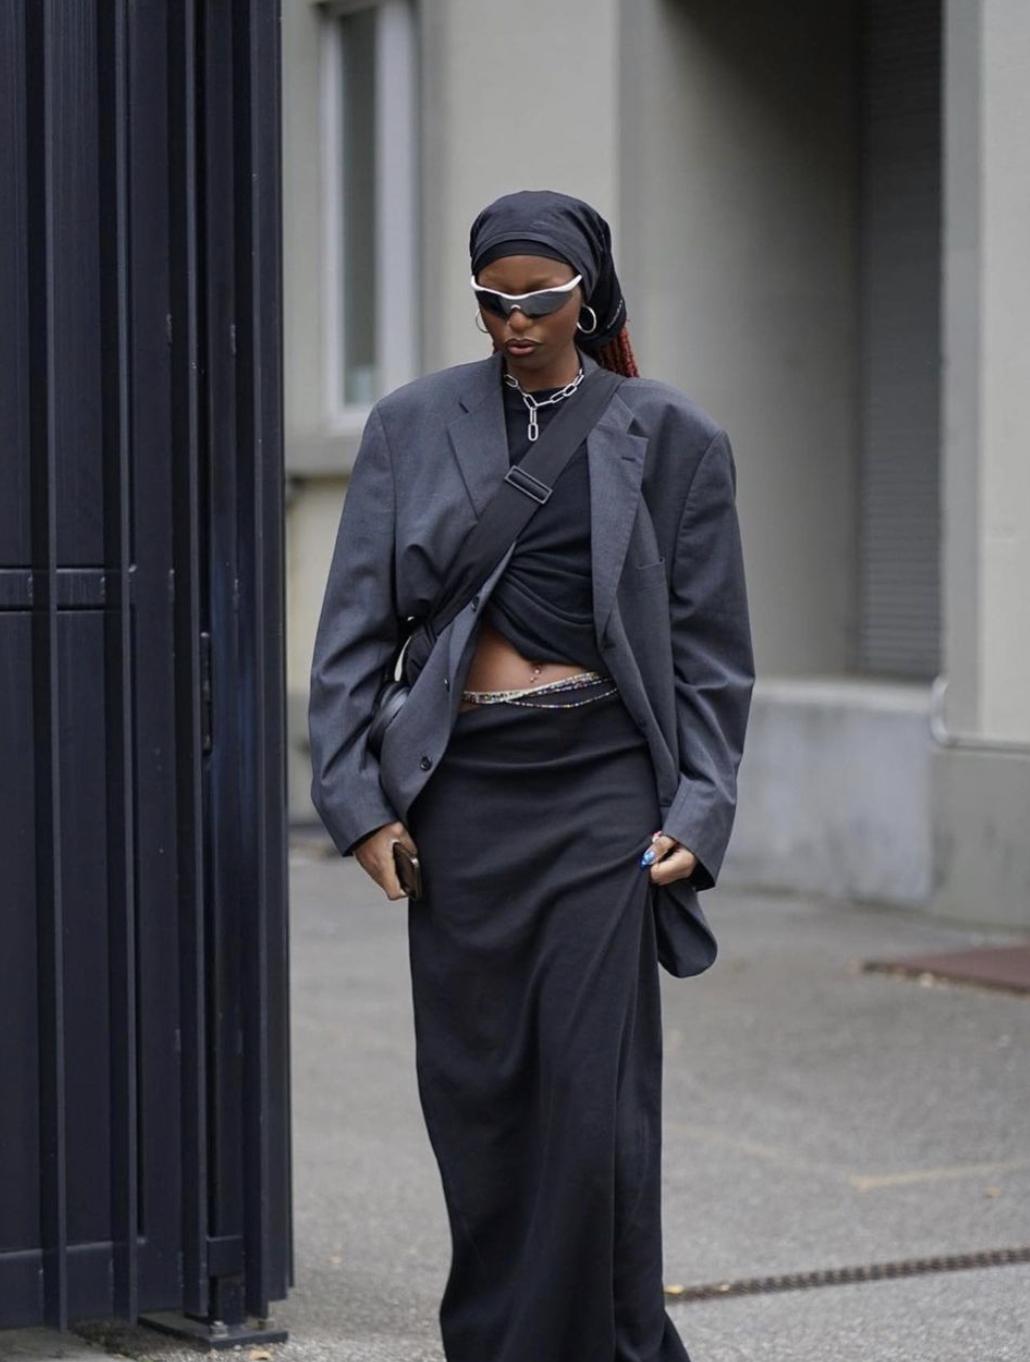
(532, 405)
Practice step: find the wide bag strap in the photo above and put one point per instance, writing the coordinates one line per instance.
(524, 489)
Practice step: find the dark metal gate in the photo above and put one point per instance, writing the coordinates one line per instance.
(144, 1136)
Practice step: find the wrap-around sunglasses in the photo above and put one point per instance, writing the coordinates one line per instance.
(540, 303)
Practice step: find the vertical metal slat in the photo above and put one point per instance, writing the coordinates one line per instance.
(227, 882)
(255, 991)
(118, 659)
(187, 621)
(42, 398)
(266, 1123)
(271, 556)
(155, 824)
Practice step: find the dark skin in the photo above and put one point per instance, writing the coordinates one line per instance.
(540, 352)
(553, 361)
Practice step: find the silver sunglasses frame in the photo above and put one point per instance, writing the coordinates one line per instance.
(514, 300)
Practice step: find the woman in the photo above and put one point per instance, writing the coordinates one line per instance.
(564, 768)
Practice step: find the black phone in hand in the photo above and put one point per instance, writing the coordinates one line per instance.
(409, 872)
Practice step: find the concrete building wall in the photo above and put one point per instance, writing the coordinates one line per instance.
(316, 455)
(836, 791)
(1005, 410)
(514, 97)
(987, 358)
(738, 158)
(312, 448)
(981, 784)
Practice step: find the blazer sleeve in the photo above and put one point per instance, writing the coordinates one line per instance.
(358, 633)
(713, 662)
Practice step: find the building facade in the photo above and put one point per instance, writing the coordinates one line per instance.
(820, 214)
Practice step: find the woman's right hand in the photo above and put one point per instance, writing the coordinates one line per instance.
(375, 856)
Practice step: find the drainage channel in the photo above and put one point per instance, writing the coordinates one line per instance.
(847, 1276)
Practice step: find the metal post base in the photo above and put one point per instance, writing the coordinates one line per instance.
(214, 1334)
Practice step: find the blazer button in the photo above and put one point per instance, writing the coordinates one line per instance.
(475, 602)
(447, 683)
(426, 763)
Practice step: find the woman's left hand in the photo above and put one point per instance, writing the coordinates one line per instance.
(672, 861)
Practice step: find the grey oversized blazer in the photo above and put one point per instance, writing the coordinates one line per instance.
(669, 604)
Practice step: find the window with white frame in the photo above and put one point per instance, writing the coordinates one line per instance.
(371, 182)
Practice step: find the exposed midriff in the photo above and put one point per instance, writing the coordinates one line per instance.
(498, 665)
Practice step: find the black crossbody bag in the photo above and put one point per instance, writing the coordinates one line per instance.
(526, 487)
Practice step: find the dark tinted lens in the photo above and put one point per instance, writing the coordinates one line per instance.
(544, 303)
(491, 302)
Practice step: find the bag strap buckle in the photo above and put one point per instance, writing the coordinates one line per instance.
(525, 482)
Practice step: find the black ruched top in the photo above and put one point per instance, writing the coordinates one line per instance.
(543, 601)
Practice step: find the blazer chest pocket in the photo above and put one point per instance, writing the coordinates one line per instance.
(647, 577)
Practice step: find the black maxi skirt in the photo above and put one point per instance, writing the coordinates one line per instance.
(538, 1034)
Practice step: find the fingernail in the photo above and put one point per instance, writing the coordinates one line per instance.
(648, 857)
(656, 835)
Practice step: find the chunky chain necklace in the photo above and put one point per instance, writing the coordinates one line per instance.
(533, 405)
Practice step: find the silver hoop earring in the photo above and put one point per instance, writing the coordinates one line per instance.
(587, 331)
(478, 323)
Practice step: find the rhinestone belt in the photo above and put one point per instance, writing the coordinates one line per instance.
(563, 684)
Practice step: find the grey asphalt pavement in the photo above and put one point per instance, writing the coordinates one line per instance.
(816, 1116)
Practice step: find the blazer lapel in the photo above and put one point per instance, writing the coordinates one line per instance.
(479, 437)
(616, 462)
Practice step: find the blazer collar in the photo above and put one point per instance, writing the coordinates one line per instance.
(478, 435)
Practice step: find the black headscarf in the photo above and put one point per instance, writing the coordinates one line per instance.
(541, 222)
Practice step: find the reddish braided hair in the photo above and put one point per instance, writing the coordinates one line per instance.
(618, 356)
